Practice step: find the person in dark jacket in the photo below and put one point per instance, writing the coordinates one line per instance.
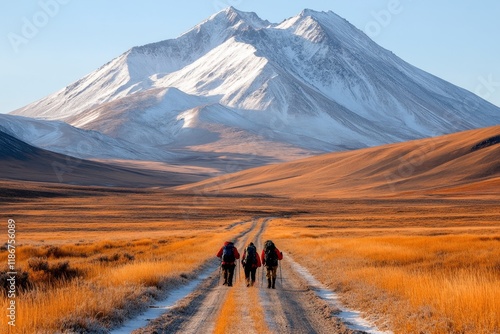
(270, 257)
(228, 255)
(250, 262)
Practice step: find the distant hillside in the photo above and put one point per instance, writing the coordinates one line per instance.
(21, 161)
(466, 163)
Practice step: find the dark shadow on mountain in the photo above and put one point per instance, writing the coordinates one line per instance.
(21, 161)
(486, 143)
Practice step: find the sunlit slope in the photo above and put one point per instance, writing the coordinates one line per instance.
(463, 163)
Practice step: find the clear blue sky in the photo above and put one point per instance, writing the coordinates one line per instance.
(456, 40)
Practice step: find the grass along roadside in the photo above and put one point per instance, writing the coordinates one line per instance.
(241, 312)
(228, 317)
(110, 280)
(419, 283)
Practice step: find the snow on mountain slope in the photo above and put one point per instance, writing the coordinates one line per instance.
(62, 138)
(130, 72)
(153, 114)
(239, 84)
(340, 62)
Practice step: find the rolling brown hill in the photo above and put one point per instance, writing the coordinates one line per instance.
(465, 163)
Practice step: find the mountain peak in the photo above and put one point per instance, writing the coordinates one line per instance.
(232, 10)
(321, 15)
(237, 18)
(309, 12)
(328, 25)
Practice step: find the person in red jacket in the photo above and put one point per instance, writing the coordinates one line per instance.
(270, 257)
(250, 262)
(228, 255)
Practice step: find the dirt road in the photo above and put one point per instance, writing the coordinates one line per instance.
(293, 307)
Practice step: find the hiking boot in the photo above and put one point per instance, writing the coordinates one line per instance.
(269, 283)
(274, 283)
(229, 284)
(253, 283)
(225, 283)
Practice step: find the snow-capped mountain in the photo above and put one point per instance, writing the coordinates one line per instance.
(243, 87)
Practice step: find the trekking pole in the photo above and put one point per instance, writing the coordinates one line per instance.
(281, 274)
(220, 270)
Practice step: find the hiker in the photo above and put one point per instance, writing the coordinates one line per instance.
(228, 255)
(270, 257)
(250, 262)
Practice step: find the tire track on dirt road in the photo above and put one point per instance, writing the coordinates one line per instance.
(241, 311)
(198, 312)
(204, 320)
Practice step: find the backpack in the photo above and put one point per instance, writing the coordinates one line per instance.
(251, 256)
(228, 253)
(270, 254)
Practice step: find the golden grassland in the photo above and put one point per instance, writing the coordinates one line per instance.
(103, 277)
(94, 256)
(422, 279)
(93, 260)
